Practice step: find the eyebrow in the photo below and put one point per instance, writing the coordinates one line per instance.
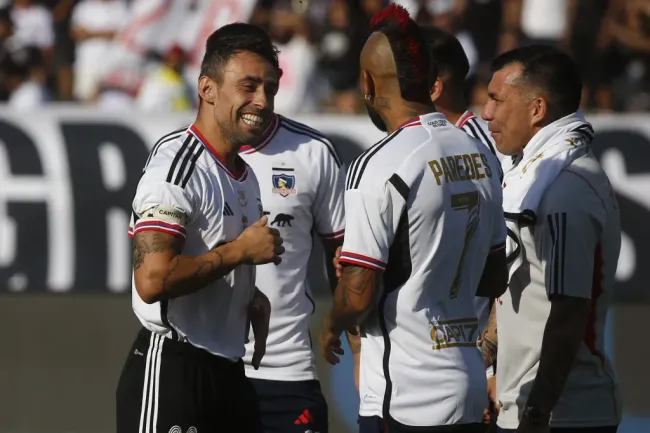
(258, 80)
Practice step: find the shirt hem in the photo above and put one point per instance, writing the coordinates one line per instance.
(265, 374)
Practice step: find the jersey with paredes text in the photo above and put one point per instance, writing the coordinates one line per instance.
(424, 206)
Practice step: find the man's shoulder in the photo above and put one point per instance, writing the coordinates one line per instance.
(583, 187)
(174, 158)
(305, 141)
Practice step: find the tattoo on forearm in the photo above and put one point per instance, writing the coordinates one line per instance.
(489, 340)
(353, 296)
(152, 242)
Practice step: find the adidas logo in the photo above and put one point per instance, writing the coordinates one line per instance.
(304, 418)
(227, 210)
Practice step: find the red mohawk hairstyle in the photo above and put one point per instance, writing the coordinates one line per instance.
(407, 44)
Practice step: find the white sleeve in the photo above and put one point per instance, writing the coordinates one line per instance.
(328, 208)
(372, 214)
(161, 206)
(569, 228)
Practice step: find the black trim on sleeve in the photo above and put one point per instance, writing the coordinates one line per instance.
(400, 186)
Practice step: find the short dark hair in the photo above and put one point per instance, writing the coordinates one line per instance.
(448, 55)
(414, 70)
(234, 38)
(550, 69)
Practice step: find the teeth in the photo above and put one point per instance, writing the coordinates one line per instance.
(252, 119)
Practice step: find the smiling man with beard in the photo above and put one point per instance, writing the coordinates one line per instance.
(198, 231)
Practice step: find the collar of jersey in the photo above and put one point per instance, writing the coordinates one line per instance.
(241, 173)
(267, 136)
(466, 117)
(414, 121)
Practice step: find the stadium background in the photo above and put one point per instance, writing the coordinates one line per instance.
(75, 129)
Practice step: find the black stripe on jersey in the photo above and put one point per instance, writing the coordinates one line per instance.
(281, 169)
(164, 307)
(400, 186)
(586, 130)
(165, 139)
(299, 128)
(178, 157)
(482, 135)
(196, 156)
(398, 270)
(557, 228)
(186, 160)
(359, 164)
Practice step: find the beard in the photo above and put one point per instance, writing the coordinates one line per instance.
(376, 118)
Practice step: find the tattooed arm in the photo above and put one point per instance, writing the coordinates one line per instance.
(162, 272)
(489, 340)
(354, 297)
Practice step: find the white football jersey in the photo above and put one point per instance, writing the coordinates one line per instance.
(478, 129)
(302, 187)
(424, 206)
(188, 192)
(572, 250)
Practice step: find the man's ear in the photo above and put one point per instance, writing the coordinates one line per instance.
(539, 110)
(367, 84)
(436, 90)
(207, 89)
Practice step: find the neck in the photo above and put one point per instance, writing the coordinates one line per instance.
(403, 112)
(452, 105)
(215, 138)
(451, 115)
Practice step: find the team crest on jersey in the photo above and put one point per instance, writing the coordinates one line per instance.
(284, 184)
(242, 198)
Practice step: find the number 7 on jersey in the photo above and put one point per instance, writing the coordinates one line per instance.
(459, 202)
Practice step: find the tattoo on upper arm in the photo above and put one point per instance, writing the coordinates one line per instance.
(148, 242)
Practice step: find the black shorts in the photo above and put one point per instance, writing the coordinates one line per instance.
(170, 386)
(375, 424)
(290, 407)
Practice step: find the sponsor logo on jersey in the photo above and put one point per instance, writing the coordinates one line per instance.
(437, 123)
(227, 210)
(454, 333)
(284, 184)
(282, 220)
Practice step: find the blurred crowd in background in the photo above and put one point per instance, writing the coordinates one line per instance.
(65, 50)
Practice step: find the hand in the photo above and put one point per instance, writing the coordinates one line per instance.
(525, 426)
(261, 244)
(259, 313)
(337, 265)
(330, 343)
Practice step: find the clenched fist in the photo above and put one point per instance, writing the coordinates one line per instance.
(261, 244)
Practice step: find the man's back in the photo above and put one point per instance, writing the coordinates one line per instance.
(432, 194)
(572, 250)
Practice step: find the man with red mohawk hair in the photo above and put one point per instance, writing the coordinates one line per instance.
(425, 234)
